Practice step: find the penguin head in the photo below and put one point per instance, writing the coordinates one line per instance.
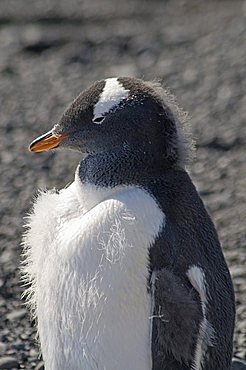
(115, 113)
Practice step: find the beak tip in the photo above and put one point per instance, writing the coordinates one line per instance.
(31, 147)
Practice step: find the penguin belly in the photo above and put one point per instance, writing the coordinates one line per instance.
(90, 284)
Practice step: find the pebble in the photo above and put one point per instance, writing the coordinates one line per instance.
(40, 366)
(3, 347)
(8, 363)
(33, 353)
(16, 314)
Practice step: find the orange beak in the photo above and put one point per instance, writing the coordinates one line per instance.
(46, 142)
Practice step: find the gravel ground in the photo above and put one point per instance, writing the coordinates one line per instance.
(51, 50)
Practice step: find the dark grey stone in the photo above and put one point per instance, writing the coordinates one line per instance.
(8, 363)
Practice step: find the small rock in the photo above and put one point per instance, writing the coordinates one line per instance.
(33, 353)
(16, 314)
(241, 354)
(8, 363)
(19, 346)
(40, 366)
(3, 348)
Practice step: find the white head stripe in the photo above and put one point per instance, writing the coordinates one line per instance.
(112, 94)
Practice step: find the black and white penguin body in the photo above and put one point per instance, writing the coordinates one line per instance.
(125, 265)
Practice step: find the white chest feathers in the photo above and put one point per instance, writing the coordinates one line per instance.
(87, 260)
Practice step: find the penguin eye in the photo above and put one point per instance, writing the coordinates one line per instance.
(98, 120)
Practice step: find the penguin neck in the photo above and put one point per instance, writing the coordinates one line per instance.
(119, 167)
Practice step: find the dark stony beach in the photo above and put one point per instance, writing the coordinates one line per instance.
(51, 50)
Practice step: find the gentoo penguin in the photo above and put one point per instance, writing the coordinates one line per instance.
(125, 265)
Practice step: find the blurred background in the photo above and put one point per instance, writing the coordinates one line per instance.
(50, 50)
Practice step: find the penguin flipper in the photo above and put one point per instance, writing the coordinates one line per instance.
(176, 317)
